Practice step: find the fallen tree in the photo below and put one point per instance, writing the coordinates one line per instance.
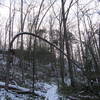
(18, 89)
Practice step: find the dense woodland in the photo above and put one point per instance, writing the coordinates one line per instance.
(71, 59)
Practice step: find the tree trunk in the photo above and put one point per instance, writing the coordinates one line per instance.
(21, 23)
(67, 46)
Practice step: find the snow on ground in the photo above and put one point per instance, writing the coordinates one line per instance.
(68, 81)
(52, 93)
(48, 91)
(4, 95)
(15, 86)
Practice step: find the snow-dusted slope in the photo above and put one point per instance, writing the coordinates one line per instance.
(48, 91)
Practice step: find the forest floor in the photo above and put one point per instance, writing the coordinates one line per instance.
(49, 92)
(45, 90)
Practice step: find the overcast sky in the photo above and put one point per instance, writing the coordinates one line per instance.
(90, 4)
(86, 4)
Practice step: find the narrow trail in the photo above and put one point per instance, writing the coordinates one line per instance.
(52, 93)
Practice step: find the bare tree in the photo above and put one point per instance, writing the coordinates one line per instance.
(21, 20)
(10, 22)
(64, 19)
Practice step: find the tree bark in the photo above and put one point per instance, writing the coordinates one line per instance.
(67, 45)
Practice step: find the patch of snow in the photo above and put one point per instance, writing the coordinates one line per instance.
(88, 96)
(2, 83)
(72, 98)
(52, 93)
(15, 86)
(20, 88)
(49, 91)
(4, 95)
(68, 81)
(40, 93)
(79, 70)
